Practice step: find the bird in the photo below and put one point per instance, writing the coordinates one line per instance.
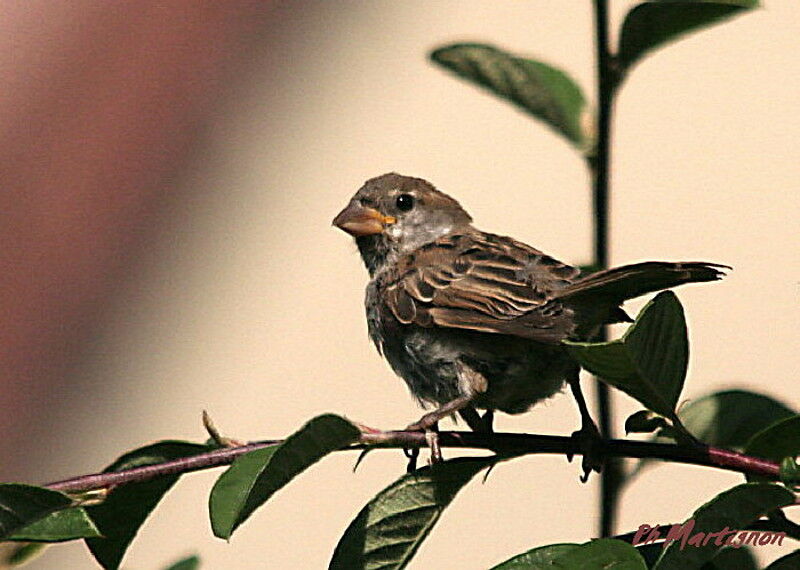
(475, 321)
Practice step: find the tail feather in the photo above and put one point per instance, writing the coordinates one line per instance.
(629, 281)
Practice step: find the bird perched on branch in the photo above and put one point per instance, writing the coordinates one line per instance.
(472, 320)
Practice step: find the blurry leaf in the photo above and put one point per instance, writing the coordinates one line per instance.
(21, 505)
(731, 418)
(188, 563)
(652, 24)
(390, 528)
(789, 562)
(735, 508)
(537, 558)
(125, 509)
(539, 89)
(649, 362)
(20, 554)
(253, 478)
(740, 558)
(790, 473)
(66, 524)
(644, 421)
(781, 439)
(601, 554)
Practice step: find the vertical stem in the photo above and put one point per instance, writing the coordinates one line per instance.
(602, 159)
(611, 477)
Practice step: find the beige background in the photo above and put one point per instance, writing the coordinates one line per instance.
(250, 305)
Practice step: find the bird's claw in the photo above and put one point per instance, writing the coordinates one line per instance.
(412, 453)
(429, 425)
(590, 444)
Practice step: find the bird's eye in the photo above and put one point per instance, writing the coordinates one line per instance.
(405, 202)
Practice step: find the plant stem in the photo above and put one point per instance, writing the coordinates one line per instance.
(612, 476)
(504, 443)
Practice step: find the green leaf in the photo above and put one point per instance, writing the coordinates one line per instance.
(790, 473)
(21, 554)
(731, 418)
(644, 421)
(650, 25)
(781, 439)
(733, 509)
(536, 559)
(540, 90)
(726, 419)
(390, 528)
(740, 558)
(789, 562)
(253, 478)
(67, 524)
(21, 505)
(125, 509)
(649, 362)
(188, 563)
(602, 554)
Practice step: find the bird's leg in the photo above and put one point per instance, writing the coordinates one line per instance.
(430, 421)
(470, 383)
(412, 453)
(474, 420)
(470, 415)
(487, 420)
(588, 437)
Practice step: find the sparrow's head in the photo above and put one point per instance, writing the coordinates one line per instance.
(392, 215)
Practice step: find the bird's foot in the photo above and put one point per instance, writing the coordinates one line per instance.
(590, 445)
(429, 423)
(411, 453)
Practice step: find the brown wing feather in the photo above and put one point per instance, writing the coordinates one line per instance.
(485, 283)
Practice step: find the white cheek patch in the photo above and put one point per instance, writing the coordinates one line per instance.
(394, 231)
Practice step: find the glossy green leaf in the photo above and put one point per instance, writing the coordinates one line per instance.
(652, 24)
(390, 528)
(188, 563)
(541, 90)
(601, 554)
(789, 562)
(21, 505)
(781, 439)
(649, 362)
(125, 509)
(731, 418)
(253, 478)
(60, 526)
(735, 509)
(538, 558)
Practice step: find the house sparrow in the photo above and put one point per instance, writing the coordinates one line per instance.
(472, 320)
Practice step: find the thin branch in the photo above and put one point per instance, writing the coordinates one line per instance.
(503, 443)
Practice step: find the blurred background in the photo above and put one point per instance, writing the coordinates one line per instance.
(169, 173)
